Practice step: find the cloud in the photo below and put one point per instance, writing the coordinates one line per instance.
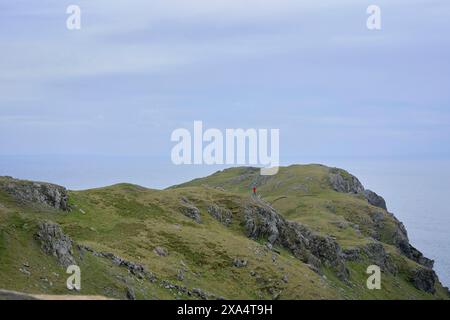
(146, 66)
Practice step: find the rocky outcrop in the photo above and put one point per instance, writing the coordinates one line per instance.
(54, 242)
(342, 181)
(262, 221)
(374, 199)
(136, 269)
(378, 256)
(239, 263)
(424, 279)
(352, 254)
(36, 193)
(139, 271)
(401, 241)
(222, 215)
(189, 210)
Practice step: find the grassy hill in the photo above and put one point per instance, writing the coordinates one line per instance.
(309, 233)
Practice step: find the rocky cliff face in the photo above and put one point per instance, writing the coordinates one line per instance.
(342, 181)
(262, 221)
(422, 278)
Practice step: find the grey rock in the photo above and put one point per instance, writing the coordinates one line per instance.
(200, 293)
(352, 254)
(54, 242)
(424, 279)
(239, 263)
(374, 199)
(130, 294)
(401, 241)
(378, 255)
(180, 275)
(342, 181)
(135, 269)
(160, 251)
(25, 271)
(223, 215)
(263, 222)
(189, 210)
(36, 193)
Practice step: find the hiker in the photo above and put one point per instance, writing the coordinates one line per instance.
(254, 190)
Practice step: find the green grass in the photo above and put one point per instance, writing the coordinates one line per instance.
(130, 221)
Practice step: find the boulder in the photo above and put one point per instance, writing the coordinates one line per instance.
(189, 210)
(239, 263)
(374, 199)
(54, 242)
(130, 294)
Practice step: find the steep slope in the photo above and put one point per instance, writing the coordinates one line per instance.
(304, 237)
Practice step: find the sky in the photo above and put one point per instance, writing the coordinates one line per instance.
(137, 70)
(96, 106)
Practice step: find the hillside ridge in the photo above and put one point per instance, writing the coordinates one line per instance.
(309, 232)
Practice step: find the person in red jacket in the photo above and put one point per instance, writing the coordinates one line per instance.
(254, 190)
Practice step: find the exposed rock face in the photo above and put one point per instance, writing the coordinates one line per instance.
(342, 181)
(189, 210)
(262, 221)
(424, 279)
(401, 241)
(374, 199)
(222, 215)
(352, 254)
(56, 243)
(40, 193)
(376, 252)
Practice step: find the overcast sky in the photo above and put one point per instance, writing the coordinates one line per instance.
(137, 70)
